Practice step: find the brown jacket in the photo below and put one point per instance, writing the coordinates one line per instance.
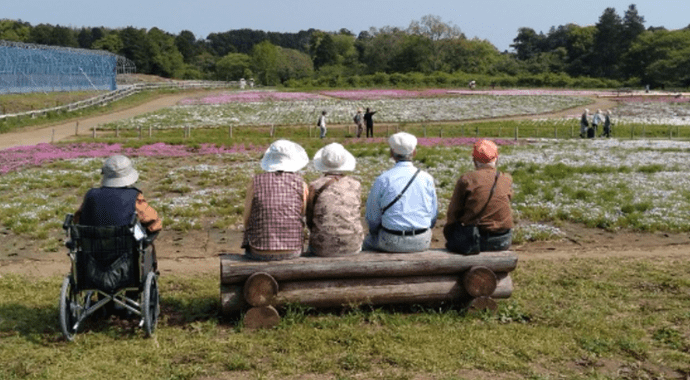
(470, 195)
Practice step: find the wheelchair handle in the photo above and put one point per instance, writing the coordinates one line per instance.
(67, 222)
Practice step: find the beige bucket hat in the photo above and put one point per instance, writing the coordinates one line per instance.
(118, 171)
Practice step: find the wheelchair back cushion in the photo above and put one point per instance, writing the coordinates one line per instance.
(107, 258)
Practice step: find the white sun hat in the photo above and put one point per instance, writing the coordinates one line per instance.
(284, 155)
(118, 171)
(402, 143)
(334, 158)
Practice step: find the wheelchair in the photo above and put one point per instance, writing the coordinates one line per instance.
(111, 266)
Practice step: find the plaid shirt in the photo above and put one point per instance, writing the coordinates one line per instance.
(275, 221)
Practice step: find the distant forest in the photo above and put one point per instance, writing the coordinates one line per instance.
(617, 51)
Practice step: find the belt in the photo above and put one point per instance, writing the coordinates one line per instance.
(405, 233)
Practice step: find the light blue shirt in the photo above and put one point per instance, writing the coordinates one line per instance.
(416, 209)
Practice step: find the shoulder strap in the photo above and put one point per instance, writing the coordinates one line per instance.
(402, 192)
(491, 193)
(318, 192)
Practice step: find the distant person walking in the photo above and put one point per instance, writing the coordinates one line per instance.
(368, 119)
(607, 124)
(584, 124)
(596, 120)
(321, 123)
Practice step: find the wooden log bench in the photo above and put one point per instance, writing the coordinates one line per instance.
(374, 278)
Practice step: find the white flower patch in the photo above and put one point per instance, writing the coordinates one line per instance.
(654, 113)
(341, 111)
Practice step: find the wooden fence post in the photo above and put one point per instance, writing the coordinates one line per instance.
(140, 132)
(516, 133)
(76, 129)
(150, 131)
(230, 131)
(52, 136)
(93, 132)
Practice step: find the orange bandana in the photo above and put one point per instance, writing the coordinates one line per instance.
(485, 151)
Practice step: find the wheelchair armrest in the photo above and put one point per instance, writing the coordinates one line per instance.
(148, 240)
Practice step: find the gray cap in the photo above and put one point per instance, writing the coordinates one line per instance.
(118, 172)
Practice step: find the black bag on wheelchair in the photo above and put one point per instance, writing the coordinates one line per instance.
(107, 257)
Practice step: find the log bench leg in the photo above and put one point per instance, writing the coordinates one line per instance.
(260, 289)
(479, 281)
(480, 305)
(262, 317)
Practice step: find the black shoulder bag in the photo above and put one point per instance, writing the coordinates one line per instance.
(401, 193)
(465, 238)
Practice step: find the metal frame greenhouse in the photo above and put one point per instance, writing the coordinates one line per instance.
(41, 68)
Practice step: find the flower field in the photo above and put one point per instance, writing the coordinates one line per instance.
(258, 108)
(611, 184)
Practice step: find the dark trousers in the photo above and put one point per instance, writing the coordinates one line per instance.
(488, 242)
(370, 129)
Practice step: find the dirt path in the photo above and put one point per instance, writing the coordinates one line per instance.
(65, 130)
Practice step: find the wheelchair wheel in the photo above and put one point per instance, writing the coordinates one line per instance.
(70, 310)
(150, 308)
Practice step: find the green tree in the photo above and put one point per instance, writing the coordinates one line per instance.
(111, 42)
(661, 57)
(16, 31)
(187, 45)
(233, 66)
(528, 43)
(293, 64)
(137, 48)
(166, 60)
(413, 55)
(437, 32)
(323, 49)
(265, 63)
(607, 45)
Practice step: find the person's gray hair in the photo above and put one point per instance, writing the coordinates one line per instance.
(402, 157)
(480, 165)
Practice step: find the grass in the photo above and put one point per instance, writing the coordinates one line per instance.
(636, 311)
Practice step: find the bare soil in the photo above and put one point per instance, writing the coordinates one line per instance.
(197, 252)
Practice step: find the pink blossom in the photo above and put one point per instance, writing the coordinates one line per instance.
(13, 159)
(249, 96)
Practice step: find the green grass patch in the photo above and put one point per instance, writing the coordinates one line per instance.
(562, 314)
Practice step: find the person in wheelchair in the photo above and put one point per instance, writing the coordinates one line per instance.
(114, 203)
(114, 267)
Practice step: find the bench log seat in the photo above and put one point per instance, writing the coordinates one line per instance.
(374, 278)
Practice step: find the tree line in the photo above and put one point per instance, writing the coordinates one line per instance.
(616, 51)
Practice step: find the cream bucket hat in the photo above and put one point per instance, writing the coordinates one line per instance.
(334, 158)
(284, 155)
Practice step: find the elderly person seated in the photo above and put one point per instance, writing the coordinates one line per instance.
(333, 204)
(275, 205)
(402, 206)
(117, 200)
(482, 198)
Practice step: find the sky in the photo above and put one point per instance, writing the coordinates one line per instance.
(497, 21)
